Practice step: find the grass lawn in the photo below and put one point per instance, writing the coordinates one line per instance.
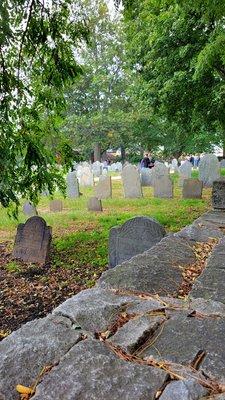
(80, 246)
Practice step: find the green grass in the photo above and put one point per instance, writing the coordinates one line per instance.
(80, 237)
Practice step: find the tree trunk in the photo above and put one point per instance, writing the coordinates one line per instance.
(97, 151)
(123, 152)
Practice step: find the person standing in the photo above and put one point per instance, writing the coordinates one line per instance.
(145, 162)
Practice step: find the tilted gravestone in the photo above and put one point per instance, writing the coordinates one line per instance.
(218, 194)
(72, 188)
(131, 182)
(29, 209)
(192, 189)
(184, 172)
(134, 237)
(56, 205)
(32, 242)
(146, 177)
(209, 169)
(163, 187)
(103, 190)
(94, 204)
(86, 177)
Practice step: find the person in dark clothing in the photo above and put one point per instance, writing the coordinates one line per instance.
(145, 162)
(152, 162)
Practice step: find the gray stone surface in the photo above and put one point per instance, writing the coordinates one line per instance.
(56, 205)
(131, 182)
(103, 190)
(222, 163)
(91, 371)
(184, 390)
(209, 169)
(86, 177)
(72, 188)
(97, 168)
(26, 351)
(32, 242)
(210, 284)
(200, 232)
(163, 187)
(159, 171)
(146, 177)
(29, 209)
(192, 189)
(94, 309)
(131, 336)
(94, 204)
(133, 237)
(184, 172)
(176, 344)
(157, 270)
(218, 194)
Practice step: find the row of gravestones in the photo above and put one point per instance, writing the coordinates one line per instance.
(97, 168)
(33, 239)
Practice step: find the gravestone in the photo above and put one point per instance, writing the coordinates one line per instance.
(56, 205)
(146, 177)
(29, 209)
(218, 194)
(209, 169)
(134, 237)
(86, 177)
(131, 182)
(185, 172)
(159, 171)
(192, 189)
(119, 166)
(103, 190)
(174, 165)
(72, 185)
(97, 168)
(222, 163)
(94, 204)
(163, 187)
(32, 242)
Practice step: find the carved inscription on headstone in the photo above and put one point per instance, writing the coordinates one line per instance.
(32, 242)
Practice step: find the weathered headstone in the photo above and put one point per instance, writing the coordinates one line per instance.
(72, 185)
(56, 205)
(103, 190)
(134, 237)
(131, 182)
(146, 177)
(163, 187)
(159, 171)
(174, 165)
(94, 204)
(218, 194)
(86, 177)
(209, 169)
(185, 172)
(222, 163)
(32, 242)
(29, 209)
(97, 168)
(192, 189)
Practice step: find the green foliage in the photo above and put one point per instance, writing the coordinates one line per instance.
(37, 63)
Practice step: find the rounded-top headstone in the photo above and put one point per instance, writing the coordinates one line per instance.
(29, 209)
(218, 194)
(131, 182)
(209, 169)
(135, 236)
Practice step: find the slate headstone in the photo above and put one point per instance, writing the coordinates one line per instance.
(72, 185)
(146, 177)
(209, 169)
(184, 172)
(29, 209)
(134, 237)
(56, 205)
(131, 182)
(94, 204)
(192, 189)
(103, 190)
(86, 177)
(32, 242)
(163, 187)
(218, 194)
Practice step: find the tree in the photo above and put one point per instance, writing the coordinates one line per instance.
(37, 46)
(177, 47)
